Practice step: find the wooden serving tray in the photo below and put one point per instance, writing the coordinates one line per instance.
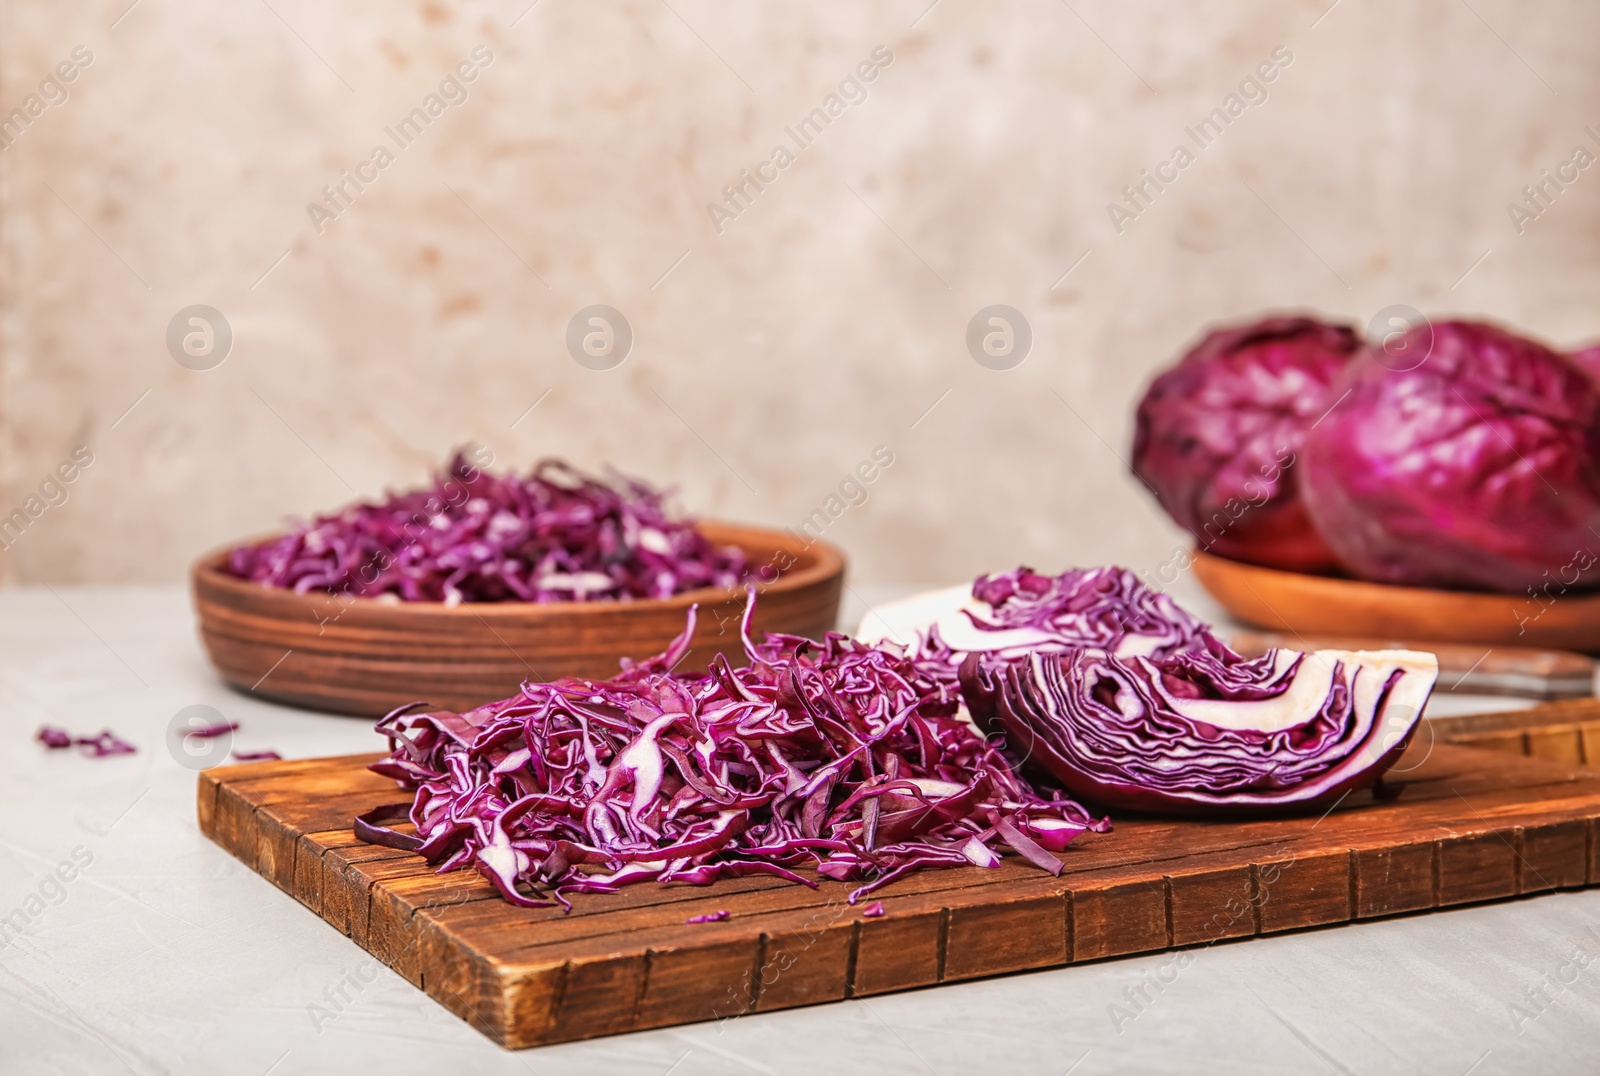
(365, 656)
(1320, 604)
(1468, 826)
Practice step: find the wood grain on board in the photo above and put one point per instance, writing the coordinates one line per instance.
(1467, 826)
(1567, 731)
(366, 656)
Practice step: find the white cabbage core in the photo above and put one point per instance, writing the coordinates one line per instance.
(1365, 671)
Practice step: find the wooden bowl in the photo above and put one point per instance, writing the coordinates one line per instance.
(365, 656)
(1291, 601)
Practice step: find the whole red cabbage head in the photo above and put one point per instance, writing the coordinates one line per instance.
(1218, 436)
(1588, 359)
(1479, 468)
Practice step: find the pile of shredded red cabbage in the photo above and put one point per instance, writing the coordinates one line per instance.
(1006, 616)
(553, 535)
(835, 756)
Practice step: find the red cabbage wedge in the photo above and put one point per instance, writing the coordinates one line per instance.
(1208, 731)
(1126, 700)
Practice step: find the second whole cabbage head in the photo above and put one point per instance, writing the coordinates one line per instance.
(1477, 468)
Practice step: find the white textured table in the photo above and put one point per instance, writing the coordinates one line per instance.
(166, 955)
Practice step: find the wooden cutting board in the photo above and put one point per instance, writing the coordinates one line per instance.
(1567, 731)
(1468, 825)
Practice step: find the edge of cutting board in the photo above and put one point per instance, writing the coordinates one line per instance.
(1469, 826)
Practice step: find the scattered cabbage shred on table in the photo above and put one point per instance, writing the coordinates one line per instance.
(858, 758)
(102, 745)
(553, 535)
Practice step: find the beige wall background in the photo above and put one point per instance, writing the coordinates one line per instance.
(771, 358)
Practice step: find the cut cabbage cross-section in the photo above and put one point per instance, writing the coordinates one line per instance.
(1207, 731)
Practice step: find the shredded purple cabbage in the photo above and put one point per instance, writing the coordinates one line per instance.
(1009, 615)
(836, 756)
(268, 755)
(53, 737)
(718, 916)
(1107, 609)
(554, 535)
(873, 910)
(207, 732)
(101, 745)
